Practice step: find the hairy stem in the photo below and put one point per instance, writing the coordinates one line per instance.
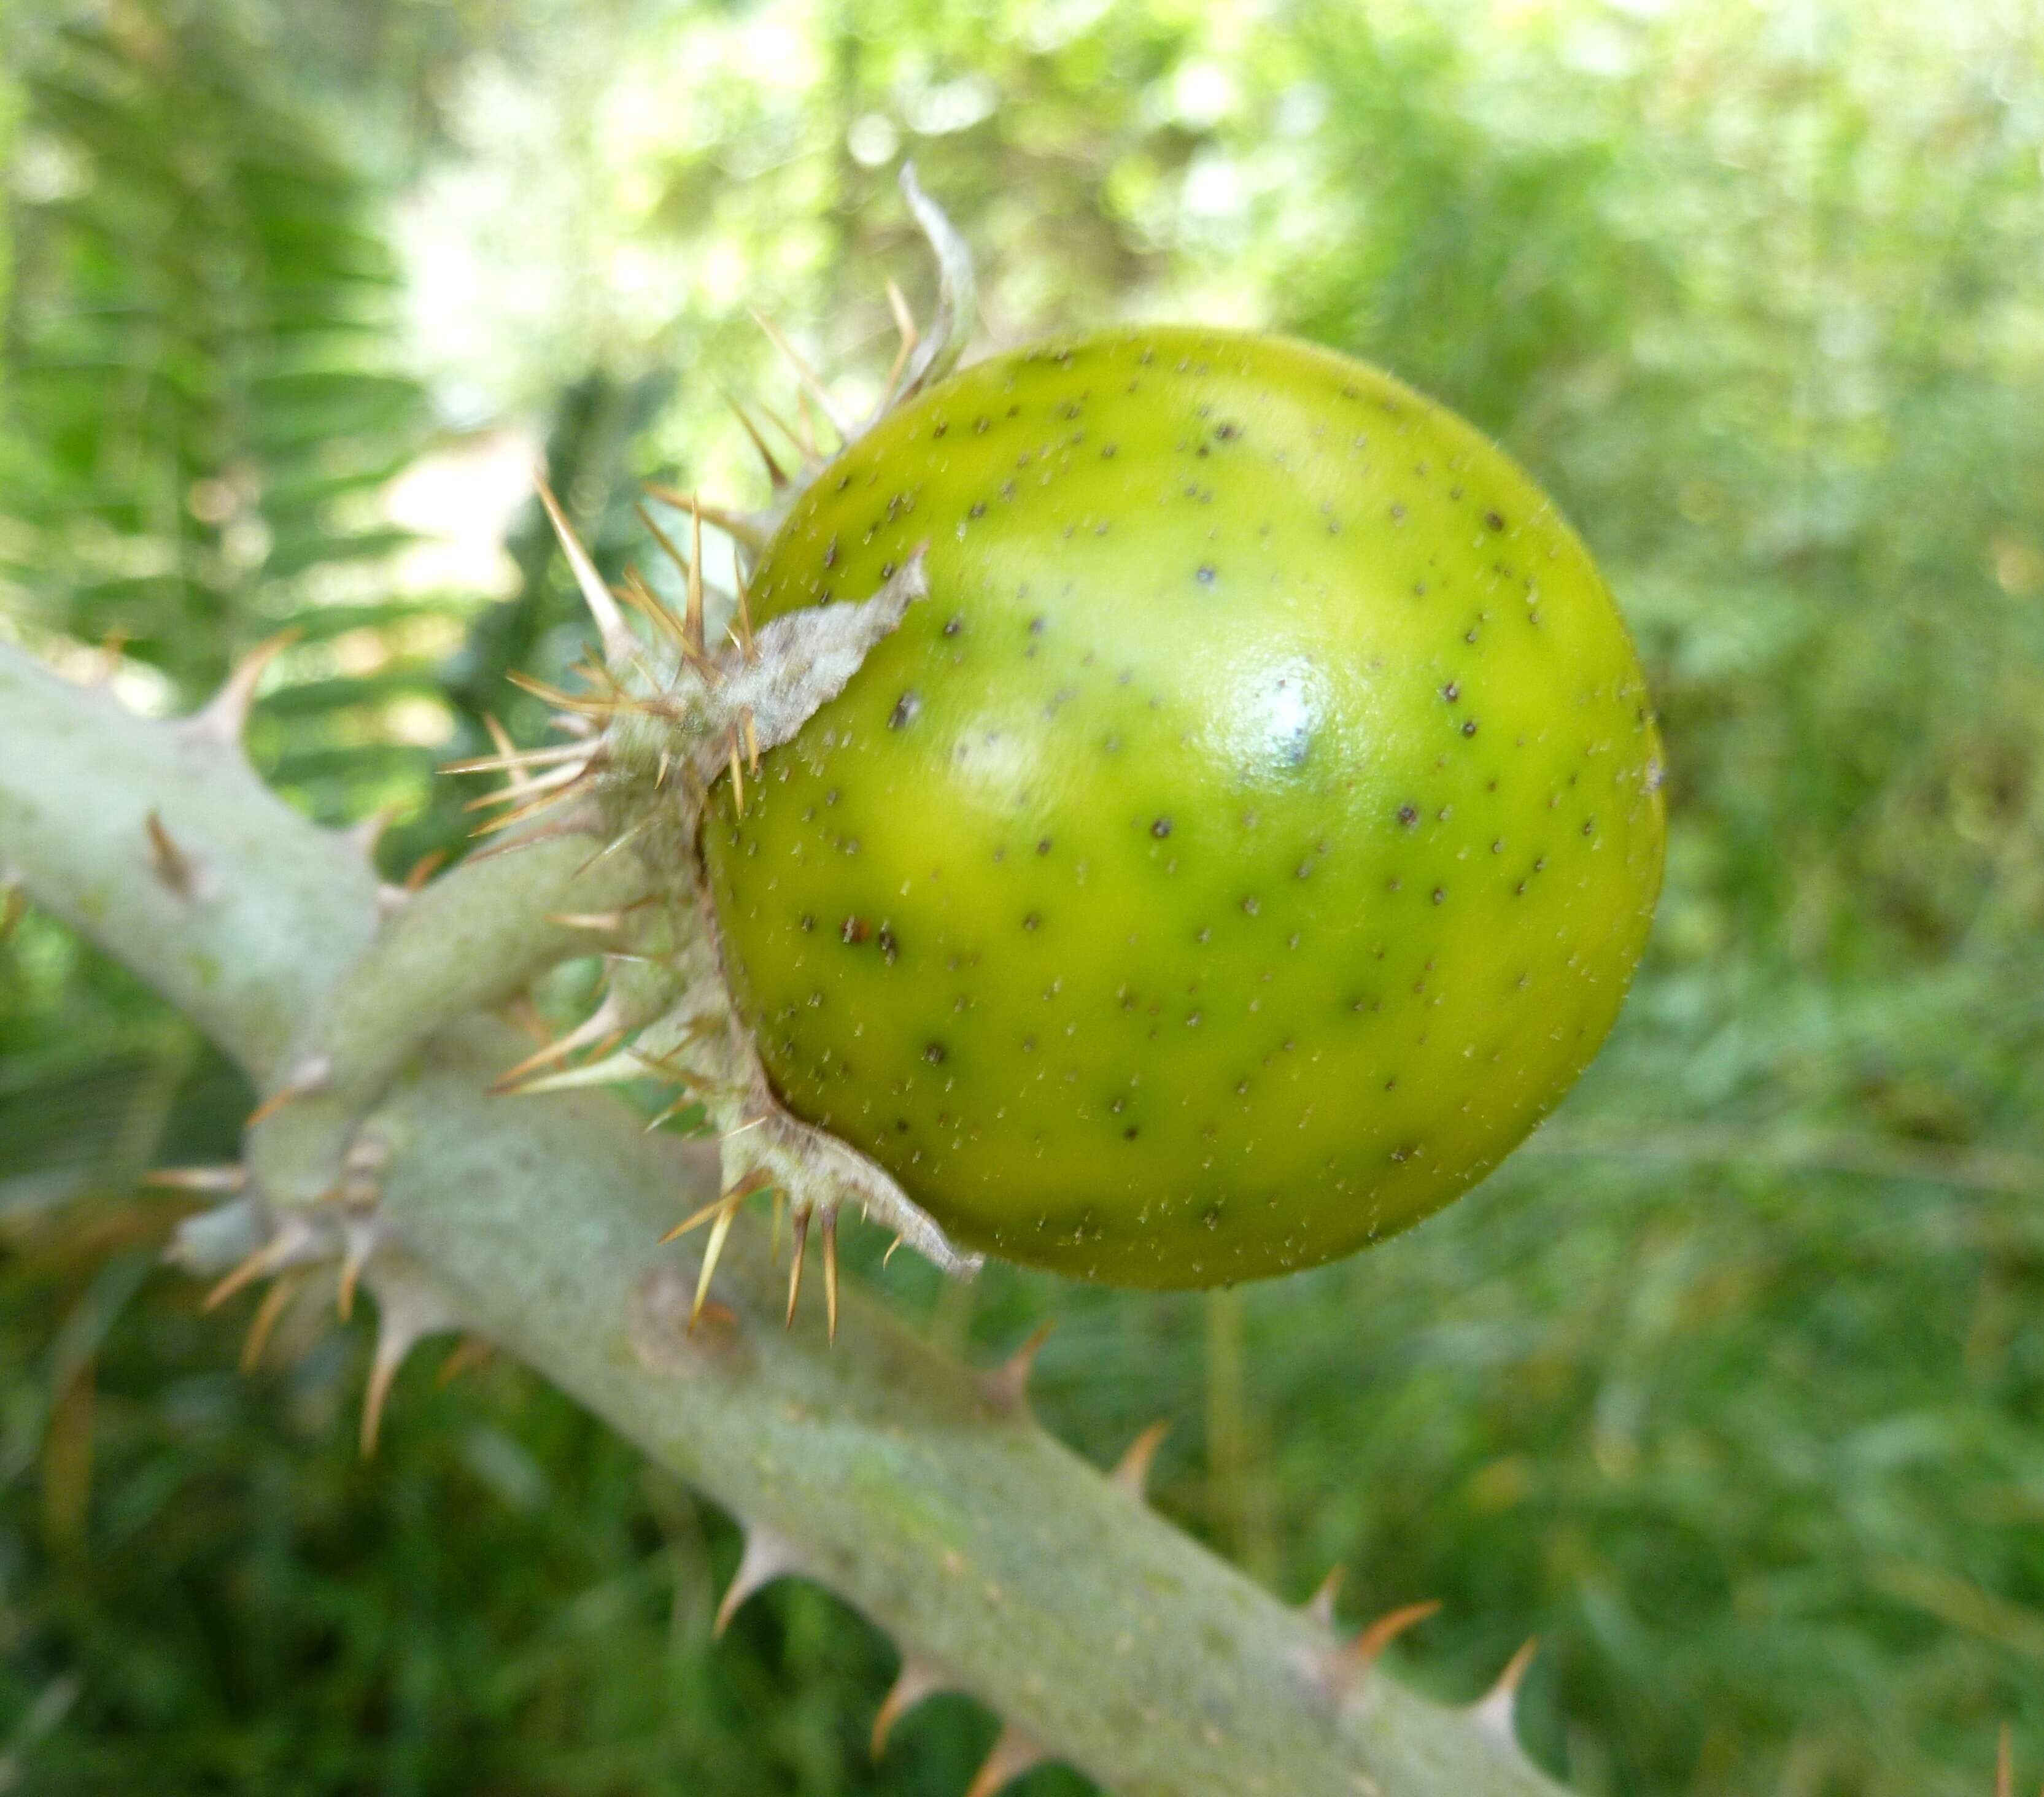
(919, 1491)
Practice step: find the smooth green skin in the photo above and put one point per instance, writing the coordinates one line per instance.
(1248, 840)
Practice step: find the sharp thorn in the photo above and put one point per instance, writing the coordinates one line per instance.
(545, 797)
(510, 758)
(608, 1017)
(916, 1680)
(1006, 1386)
(643, 600)
(741, 621)
(603, 1068)
(1349, 1668)
(807, 461)
(264, 1322)
(311, 1076)
(618, 643)
(601, 923)
(812, 447)
(890, 1255)
(232, 1177)
(692, 624)
(422, 870)
(905, 326)
(808, 378)
(470, 1350)
(1132, 1471)
(519, 788)
(718, 1230)
(404, 1318)
(361, 1238)
(715, 1207)
(1014, 1753)
(765, 1560)
(226, 713)
(271, 1255)
(174, 871)
(735, 525)
(1495, 1711)
(773, 470)
(830, 1271)
(517, 773)
(798, 1239)
(1320, 1606)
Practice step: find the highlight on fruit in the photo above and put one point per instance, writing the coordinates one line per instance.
(1172, 806)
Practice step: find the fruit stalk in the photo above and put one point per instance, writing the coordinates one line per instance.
(917, 1490)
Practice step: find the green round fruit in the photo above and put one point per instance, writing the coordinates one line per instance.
(1249, 838)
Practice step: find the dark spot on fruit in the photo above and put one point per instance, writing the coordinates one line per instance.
(854, 931)
(1590, 827)
(934, 1053)
(1130, 1134)
(906, 709)
(1408, 815)
(1451, 692)
(977, 509)
(1032, 921)
(1495, 519)
(1469, 728)
(953, 625)
(808, 922)
(1161, 828)
(1210, 1216)
(1228, 432)
(1251, 905)
(1439, 894)
(1206, 574)
(889, 946)
(1043, 845)
(1036, 627)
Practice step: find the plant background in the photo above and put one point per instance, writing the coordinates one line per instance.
(1728, 1387)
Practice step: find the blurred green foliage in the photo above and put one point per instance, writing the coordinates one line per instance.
(1730, 1386)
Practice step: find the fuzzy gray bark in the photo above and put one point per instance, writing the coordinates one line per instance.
(918, 1490)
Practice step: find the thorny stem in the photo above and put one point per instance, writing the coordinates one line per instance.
(1001, 1564)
